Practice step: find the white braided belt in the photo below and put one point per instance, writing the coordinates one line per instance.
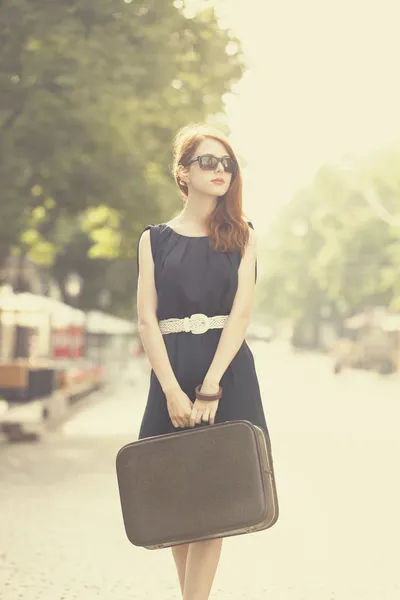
(197, 323)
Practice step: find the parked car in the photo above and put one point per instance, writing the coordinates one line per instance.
(369, 348)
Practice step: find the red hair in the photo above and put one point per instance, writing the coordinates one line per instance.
(225, 226)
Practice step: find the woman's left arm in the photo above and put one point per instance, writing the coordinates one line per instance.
(234, 331)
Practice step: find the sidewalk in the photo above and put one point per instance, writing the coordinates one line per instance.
(61, 530)
(62, 534)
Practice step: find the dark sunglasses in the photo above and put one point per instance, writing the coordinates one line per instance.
(209, 162)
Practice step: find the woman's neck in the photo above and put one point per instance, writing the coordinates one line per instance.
(198, 208)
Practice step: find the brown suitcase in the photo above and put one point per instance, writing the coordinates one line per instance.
(200, 483)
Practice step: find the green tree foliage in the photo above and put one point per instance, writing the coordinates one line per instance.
(91, 95)
(336, 243)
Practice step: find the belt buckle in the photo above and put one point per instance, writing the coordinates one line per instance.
(199, 323)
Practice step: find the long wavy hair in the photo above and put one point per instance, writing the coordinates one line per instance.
(226, 226)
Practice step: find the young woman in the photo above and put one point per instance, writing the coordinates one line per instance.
(195, 289)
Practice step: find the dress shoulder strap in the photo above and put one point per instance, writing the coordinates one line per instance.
(154, 230)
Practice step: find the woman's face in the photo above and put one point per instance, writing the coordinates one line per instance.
(215, 182)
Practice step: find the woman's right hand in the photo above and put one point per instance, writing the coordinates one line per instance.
(179, 407)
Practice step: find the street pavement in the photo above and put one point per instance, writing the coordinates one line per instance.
(336, 454)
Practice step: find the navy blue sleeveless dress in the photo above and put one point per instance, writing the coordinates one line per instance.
(191, 278)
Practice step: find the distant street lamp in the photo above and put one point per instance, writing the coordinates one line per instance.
(73, 286)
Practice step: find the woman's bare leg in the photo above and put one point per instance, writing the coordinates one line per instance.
(180, 554)
(201, 566)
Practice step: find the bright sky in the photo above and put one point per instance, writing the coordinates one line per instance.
(322, 82)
